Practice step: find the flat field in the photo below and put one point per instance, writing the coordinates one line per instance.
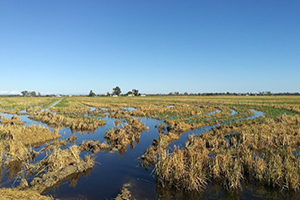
(165, 147)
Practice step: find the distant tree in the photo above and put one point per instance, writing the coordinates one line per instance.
(116, 91)
(108, 94)
(128, 93)
(91, 94)
(39, 94)
(135, 92)
(33, 93)
(185, 94)
(25, 93)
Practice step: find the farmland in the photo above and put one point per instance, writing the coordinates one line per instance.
(160, 147)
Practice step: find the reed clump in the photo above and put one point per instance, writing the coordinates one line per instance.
(149, 158)
(14, 151)
(14, 111)
(57, 166)
(182, 126)
(74, 123)
(15, 120)
(16, 141)
(59, 143)
(232, 155)
(124, 193)
(93, 146)
(28, 135)
(121, 136)
(31, 111)
(183, 168)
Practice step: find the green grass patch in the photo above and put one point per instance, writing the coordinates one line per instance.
(63, 103)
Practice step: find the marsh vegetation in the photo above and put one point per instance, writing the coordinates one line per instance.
(167, 147)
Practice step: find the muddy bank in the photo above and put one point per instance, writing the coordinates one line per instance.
(93, 146)
(124, 193)
(12, 194)
(59, 165)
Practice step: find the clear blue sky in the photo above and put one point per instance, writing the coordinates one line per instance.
(156, 46)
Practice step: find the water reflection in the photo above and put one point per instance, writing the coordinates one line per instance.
(14, 168)
(184, 137)
(171, 106)
(129, 108)
(114, 169)
(70, 181)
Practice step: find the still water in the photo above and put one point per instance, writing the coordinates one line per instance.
(112, 170)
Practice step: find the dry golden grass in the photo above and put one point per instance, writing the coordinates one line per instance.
(183, 168)
(15, 194)
(22, 103)
(12, 149)
(68, 105)
(124, 193)
(75, 123)
(15, 120)
(121, 136)
(93, 146)
(57, 166)
(180, 100)
(29, 135)
(16, 141)
(60, 159)
(264, 152)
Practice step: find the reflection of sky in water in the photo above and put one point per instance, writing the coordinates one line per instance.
(170, 106)
(129, 109)
(46, 109)
(184, 137)
(233, 112)
(111, 171)
(92, 109)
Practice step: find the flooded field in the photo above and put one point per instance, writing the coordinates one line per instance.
(158, 147)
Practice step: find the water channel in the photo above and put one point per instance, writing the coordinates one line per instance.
(112, 170)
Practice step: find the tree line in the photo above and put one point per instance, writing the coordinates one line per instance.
(26, 93)
(117, 92)
(135, 92)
